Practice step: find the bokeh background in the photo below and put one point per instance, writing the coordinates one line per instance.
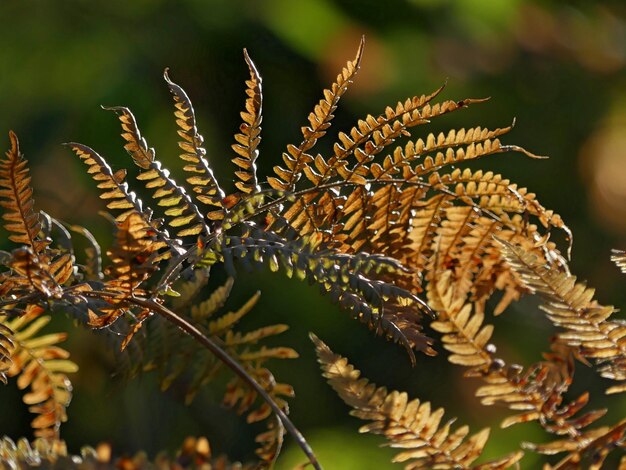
(559, 68)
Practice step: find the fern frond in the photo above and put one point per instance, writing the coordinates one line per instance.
(374, 134)
(595, 448)
(40, 364)
(31, 274)
(136, 145)
(7, 346)
(202, 180)
(249, 137)
(619, 258)
(350, 280)
(297, 158)
(16, 197)
(464, 332)
(538, 392)
(389, 133)
(179, 208)
(409, 425)
(134, 257)
(403, 157)
(428, 216)
(571, 306)
(497, 195)
(114, 189)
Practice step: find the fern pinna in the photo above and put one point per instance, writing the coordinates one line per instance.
(390, 226)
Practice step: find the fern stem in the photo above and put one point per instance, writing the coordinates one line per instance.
(231, 363)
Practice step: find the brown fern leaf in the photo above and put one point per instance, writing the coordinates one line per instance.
(389, 133)
(596, 446)
(136, 145)
(296, 158)
(409, 425)
(247, 141)
(538, 391)
(180, 209)
(374, 134)
(16, 196)
(31, 274)
(428, 216)
(41, 365)
(205, 186)
(571, 306)
(7, 347)
(491, 269)
(399, 162)
(619, 258)
(133, 258)
(114, 189)
(132, 255)
(464, 333)
(497, 195)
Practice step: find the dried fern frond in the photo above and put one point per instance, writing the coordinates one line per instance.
(204, 184)
(180, 210)
(7, 346)
(30, 274)
(596, 446)
(16, 197)
(619, 258)
(409, 425)
(40, 364)
(247, 141)
(115, 189)
(297, 158)
(571, 306)
(412, 201)
(134, 257)
(538, 392)
(465, 335)
(136, 145)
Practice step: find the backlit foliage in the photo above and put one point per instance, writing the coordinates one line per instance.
(389, 224)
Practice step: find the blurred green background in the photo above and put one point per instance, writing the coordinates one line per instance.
(559, 68)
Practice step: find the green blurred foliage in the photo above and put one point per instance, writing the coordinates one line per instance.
(558, 67)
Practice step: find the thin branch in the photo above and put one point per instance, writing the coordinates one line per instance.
(223, 356)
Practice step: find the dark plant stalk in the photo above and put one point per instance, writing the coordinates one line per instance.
(223, 356)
